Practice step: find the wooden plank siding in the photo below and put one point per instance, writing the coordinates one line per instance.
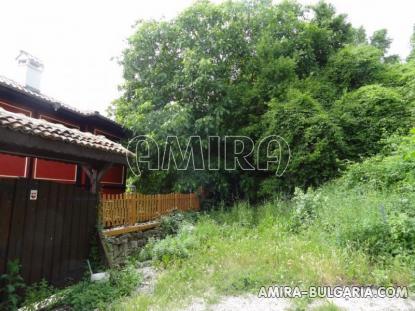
(49, 236)
(129, 209)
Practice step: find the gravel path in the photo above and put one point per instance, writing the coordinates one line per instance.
(253, 303)
(149, 278)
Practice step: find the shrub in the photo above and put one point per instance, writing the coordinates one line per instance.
(171, 223)
(305, 205)
(392, 170)
(174, 247)
(314, 142)
(367, 116)
(354, 66)
(36, 293)
(88, 295)
(380, 239)
(13, 282)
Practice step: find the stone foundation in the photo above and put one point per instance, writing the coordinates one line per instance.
(120, 247)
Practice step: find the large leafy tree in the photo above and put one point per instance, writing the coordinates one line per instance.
(411, 56)
(354, 66)
(244, 68)
(380, 40)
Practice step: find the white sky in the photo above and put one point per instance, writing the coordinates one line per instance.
(77, 39)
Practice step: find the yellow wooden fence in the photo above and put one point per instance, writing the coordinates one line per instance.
(128, 209)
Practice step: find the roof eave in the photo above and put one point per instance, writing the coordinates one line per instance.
(15, 142)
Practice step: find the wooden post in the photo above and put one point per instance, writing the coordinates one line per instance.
(95, 175)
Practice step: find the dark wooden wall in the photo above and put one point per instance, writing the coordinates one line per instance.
(51, 235)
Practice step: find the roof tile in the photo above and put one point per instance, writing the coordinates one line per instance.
(38, 127)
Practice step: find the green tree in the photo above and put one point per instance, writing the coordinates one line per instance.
(368, 115)
(359, 36)
(314, 139)
(232, 69)
(380, 40)
(411, 55)
(354, 66)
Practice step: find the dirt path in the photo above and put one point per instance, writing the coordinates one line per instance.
(149, 278)
(253, 303)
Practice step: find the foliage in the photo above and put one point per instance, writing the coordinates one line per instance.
(411, 55)
(392, 169)
(172, 247)
(380, 40)
(368, 115)
(256, 68)
(314, 139)
(352, 230)
(36, 294)
(241, 249)
(170, 224)
(355, 66)
(378, 223)
(406, 83)
(305, 205)
(87, 295)
(12, 283)
(218, 69)
(382, 223)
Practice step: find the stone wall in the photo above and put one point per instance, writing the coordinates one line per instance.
(120, 247)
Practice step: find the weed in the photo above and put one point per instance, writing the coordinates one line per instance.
(87, 295)
(13, 283)
(36, 293)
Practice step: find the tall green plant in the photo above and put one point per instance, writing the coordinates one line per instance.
(13, 283)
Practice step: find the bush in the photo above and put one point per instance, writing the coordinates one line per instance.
(355, 66)
(360, 214)
(13, 283)
(367, 116)
(37, 293)
(171, 223)
(394, 169)
(305, 207)
(381, 239)
(172, 247)
(88, 295)
(314, 141)
(371, 208)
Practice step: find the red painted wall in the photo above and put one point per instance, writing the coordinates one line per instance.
(115, 175)
(53, 170)
(15, 166)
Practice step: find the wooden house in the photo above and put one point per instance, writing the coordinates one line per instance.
(28, 100)
(54, 162)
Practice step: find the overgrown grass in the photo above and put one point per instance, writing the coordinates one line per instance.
(357, 230)
(329, 237)
(85, 295)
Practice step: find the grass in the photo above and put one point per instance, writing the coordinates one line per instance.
(310, 240)
(84, 295)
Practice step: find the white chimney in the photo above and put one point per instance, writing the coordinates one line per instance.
(30, 70)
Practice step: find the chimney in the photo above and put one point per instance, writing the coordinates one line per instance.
(30, 70)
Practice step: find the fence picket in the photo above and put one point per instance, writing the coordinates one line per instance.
(131, 208)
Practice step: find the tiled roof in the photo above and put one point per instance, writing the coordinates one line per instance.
(56, 104)
(42, 128)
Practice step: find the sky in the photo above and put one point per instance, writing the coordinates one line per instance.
(79, 41)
